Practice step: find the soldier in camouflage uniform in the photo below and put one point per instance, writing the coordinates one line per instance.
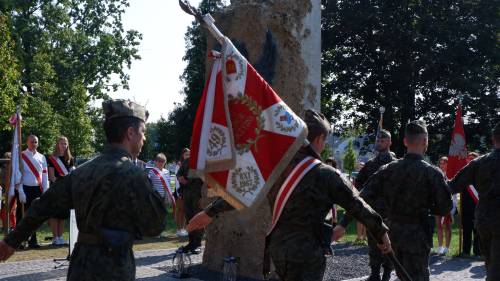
(484, 174)
(297, 244)
(384, 156)
(113, 200)
(192, 196)
(411, 189)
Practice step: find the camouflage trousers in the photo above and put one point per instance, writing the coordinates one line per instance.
(489, 241)
(191, 208)
(298, 268)
(377, 259)
(416, 264)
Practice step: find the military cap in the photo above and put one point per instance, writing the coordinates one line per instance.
(384, 134)
(316, 122)
(124, 108)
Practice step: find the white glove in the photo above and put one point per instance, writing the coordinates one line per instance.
(22, 196)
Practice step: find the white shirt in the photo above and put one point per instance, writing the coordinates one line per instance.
(40, 163)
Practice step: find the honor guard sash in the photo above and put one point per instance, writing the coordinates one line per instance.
(473, 193)
(164, 181)
(288, 187)
(58, 165)
(34, 170)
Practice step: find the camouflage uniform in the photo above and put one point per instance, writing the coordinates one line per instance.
(113, 201)
(411, 189)
(191, 194)
(484, 174)
(298, 243)
(377, 259)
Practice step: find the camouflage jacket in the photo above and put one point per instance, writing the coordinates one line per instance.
(106, 192)
(193, 188)
(484, 174)
(412, 189)
(300, 225)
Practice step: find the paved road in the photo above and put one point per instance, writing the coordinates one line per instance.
(349, 263)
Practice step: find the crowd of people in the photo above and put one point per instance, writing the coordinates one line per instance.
(118, 199)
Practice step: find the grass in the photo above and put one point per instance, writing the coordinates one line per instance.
(168, 240)
(350, 236)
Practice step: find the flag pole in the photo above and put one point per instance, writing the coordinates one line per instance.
(206, 20)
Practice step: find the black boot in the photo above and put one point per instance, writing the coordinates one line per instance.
(375, 274)
(386, 276)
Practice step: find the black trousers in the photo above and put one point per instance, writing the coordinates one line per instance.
(191, 208)
(468, 210)
(32, 193)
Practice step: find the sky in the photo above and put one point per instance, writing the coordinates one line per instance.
(154, 79)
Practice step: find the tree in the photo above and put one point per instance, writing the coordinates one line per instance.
(9, 86)
(174, 133)
(415, 58)
(68, 52)
(349, 161)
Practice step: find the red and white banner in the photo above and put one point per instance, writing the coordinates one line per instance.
(164, 183)
(16, 174)
(244, 135)
(58, 165)
(289, 186)
(457, 156)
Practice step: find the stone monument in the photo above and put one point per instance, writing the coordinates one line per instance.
(282, 40)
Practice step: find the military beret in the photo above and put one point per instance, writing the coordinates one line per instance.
(124, 108)
(316, 121)
(384, 134)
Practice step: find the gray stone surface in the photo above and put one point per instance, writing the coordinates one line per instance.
(349, 263)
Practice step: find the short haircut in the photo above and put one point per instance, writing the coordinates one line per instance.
(317, 125)
(331, 161)
(116, 128)
(161, 157)
(442, 158)
(496, 132)
(415, 130)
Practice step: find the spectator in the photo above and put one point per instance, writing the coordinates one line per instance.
(35, 182)
(447, 220)
(160, 179)
(180, 218)
(60, 164)
(468, 205)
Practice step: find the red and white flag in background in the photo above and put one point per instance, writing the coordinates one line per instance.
(244, 135)
(457, 156)
(16, 175)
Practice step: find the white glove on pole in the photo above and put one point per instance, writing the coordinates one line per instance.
(22, 195)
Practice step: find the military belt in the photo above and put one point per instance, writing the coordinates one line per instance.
(89, 239)
(404, 219)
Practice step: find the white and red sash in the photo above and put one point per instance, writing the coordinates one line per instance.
(473, 193)
(34, 170)
(289, 185)
(164, 182)
(58, 165)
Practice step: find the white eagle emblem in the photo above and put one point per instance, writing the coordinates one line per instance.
(457, 147)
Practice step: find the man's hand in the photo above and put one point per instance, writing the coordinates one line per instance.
(199, 221)
(385, 247)
(338, 232)
(22, 196)
(6, 251)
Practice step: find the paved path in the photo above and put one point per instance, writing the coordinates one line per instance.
(155, 266)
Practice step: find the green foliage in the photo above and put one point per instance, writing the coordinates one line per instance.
(174, 133)
(67, 53)
(415, 58)
(326, 153)
(349, 161)
(9, 75)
